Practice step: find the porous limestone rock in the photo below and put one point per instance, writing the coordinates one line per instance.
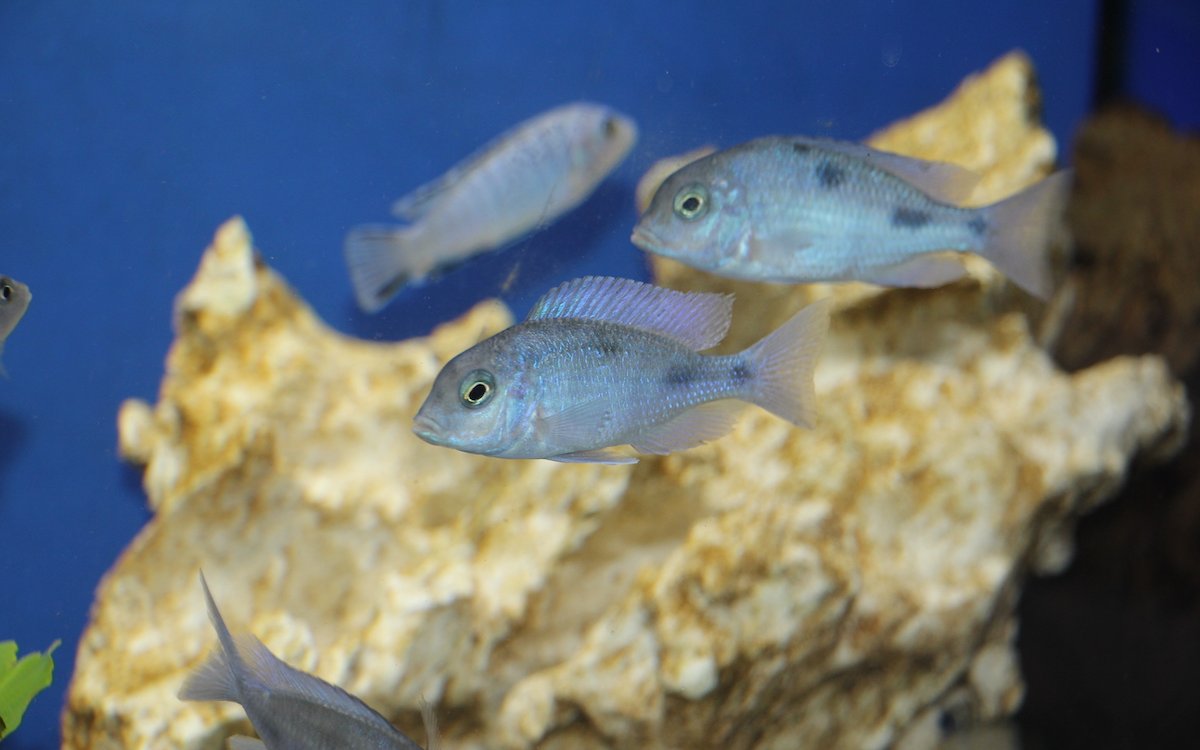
(778, 588)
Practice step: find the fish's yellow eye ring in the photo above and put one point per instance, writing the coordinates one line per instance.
(477, 389)
(691, 202)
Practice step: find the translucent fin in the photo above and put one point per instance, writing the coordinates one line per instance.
(245, 743)
(599, 456)
(211, 681)
(754, 244)
(1021, 229)
(380, 259)
(429, 719)
(783, 365)
(217, 678)
(922, 271)
(691, 428)
(698, 320)
(940, 180)
(578, 424)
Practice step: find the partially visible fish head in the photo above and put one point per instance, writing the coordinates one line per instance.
(479, 403)
(604, 139)
(695, 217)
(14, 299)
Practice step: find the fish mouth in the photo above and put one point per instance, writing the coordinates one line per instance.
(646, 239)
(428, 429)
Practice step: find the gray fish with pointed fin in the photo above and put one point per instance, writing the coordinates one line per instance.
(602, 362)
(290, 709)
(14, 301)
(794, 209)
(525, 178)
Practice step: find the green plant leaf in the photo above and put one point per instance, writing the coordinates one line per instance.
(20, 681)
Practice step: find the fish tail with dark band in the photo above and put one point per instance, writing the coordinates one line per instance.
(783, 363)
(379, 259)
(1021, 228)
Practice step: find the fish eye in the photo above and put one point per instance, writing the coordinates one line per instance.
(691, 202)
(477, 389)
(6, 292)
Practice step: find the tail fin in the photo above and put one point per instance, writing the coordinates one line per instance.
(429, 719)
(380, 260)
(215, 679)
(783, 365)
(1021, 229)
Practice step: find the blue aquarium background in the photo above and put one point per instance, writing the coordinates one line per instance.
(130, 130)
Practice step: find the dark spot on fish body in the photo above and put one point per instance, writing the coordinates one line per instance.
(830, 175)
(801, 148)
(978, 226)
(910, 218)
(609, 347)
(741, 372)
(681, 376)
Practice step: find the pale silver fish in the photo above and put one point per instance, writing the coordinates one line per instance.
(794, 209)
(602, 362)
(525, 178)
(290, 709)
(14, 301)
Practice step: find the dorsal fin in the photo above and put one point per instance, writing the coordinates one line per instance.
(940, 180)
(698, 320)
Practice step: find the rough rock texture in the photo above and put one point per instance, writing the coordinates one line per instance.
(779, 588)
(1132, 593)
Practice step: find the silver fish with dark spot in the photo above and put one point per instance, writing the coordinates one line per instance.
(525, 178)
(602, 362)
(290, 709)
(795, 209)
(14, 301)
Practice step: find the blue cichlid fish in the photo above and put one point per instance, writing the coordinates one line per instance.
(290, 709)
(14, 301)
(525, 178)
(603, 362)
(794, 209)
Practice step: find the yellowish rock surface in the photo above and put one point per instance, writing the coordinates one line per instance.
(778, 588)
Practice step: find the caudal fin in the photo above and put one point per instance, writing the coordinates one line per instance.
(215, 679)
(429, 719)
(783, 363)
(380, 260)
(1021, 230)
